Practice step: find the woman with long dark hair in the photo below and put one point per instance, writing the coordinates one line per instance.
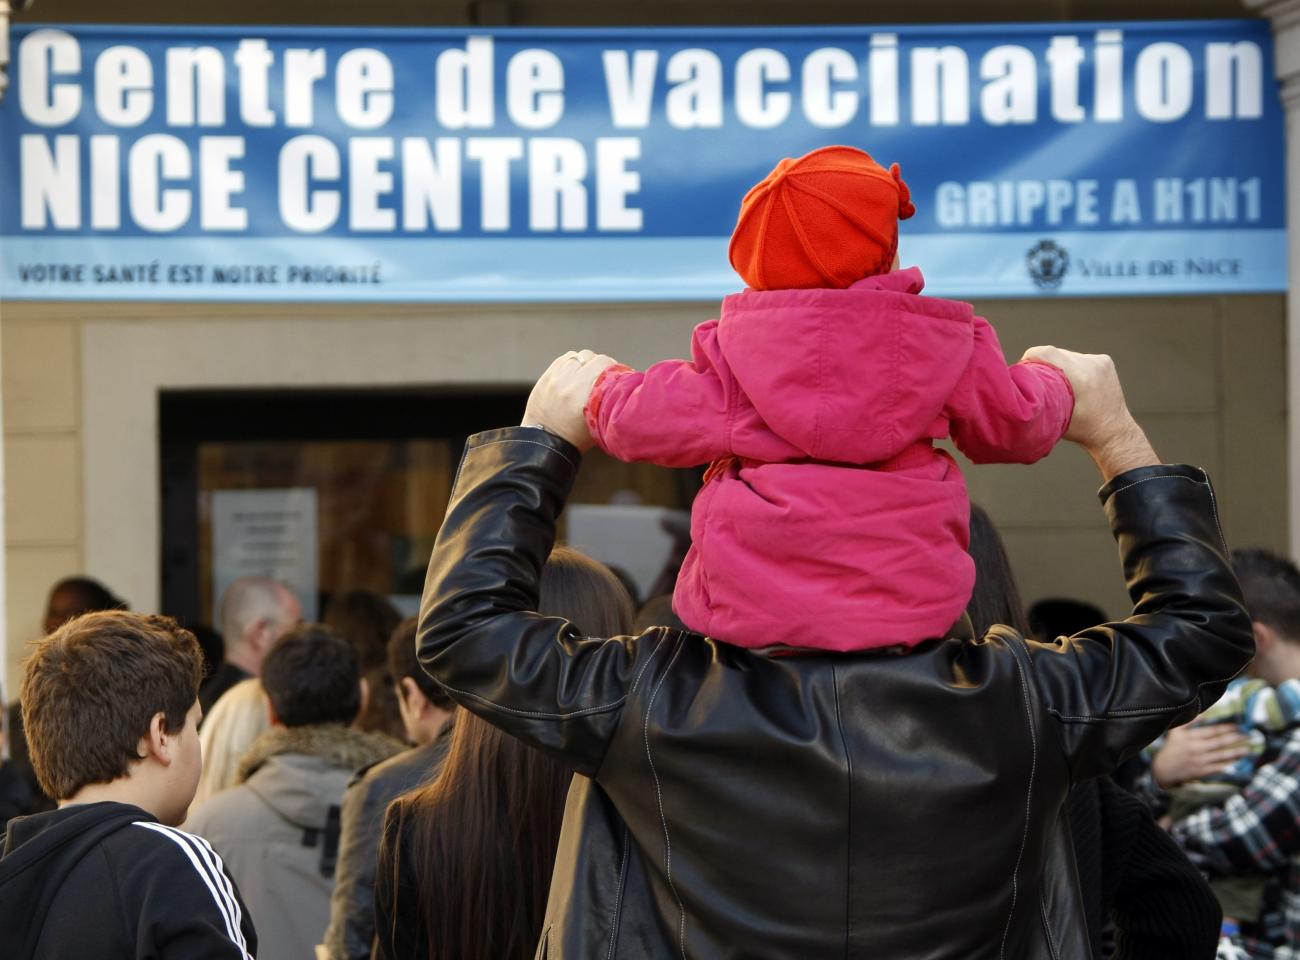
(465, 862)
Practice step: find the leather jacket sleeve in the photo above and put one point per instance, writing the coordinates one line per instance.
(535, 677)
(1115, 687)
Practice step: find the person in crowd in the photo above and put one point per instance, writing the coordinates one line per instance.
(278, 829)
(212, 645)
(237, 719)
(677, 525)
(15, 795)
(827, 381)
(657, 612)
(1142, 898)
(73, 596)
(995, 598)
(255, 612)
(1256, 831)
(771, 802)
(368, 620)
(70, 597)
(466, 862)
(111, 704)
(1054, 617)
(629, 584)
(426, 712)
(1258, 713)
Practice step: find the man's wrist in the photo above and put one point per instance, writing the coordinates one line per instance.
(1125, 449)
(532, 423)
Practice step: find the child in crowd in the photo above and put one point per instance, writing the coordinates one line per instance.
(828, 518)
(110, 706)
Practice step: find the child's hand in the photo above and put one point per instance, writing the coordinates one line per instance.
(561, 393)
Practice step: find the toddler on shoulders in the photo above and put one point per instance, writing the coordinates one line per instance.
(829, 519)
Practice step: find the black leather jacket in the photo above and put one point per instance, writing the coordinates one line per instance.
(351, 933)
(734, 804)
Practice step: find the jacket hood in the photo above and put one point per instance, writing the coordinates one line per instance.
(853, 375)
(293, 769)
(39, 853)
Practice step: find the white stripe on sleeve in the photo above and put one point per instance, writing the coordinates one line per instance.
(213, 860)
(222, 901)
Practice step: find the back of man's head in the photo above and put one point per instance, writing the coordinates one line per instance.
(246, 601)
(403, 663)
(249, 602)
(91, 689)
(312, 676)
(1270, 585)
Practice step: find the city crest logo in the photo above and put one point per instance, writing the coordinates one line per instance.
(1048, 263)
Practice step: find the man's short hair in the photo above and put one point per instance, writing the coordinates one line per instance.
(245, 602)
(312, 675)
(91, 689)
(403, 663)
(1270, 585)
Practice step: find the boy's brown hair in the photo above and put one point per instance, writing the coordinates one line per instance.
(91, 689)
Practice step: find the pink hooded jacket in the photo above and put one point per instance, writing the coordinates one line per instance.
(829, 520)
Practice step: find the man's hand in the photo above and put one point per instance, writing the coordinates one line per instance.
(1102, 423)
(1194, 753)
(561, 393)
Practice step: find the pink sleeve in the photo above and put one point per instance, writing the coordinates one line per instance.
(674, 414)
(1002, 414)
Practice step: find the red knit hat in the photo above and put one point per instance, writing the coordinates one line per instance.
(827, 219)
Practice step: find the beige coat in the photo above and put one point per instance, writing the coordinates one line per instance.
(277, 831)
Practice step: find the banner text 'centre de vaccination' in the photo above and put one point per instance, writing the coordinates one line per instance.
(450, 165)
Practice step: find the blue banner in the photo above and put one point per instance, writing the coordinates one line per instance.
(570, 164)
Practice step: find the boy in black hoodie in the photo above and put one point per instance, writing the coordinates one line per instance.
(110, 705)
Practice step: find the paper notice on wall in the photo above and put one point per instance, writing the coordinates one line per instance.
(267, 533)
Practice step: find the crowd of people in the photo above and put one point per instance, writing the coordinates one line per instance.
(843, 736)
(329, 832)
(327, 836)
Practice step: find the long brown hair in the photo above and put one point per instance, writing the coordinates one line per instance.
(465, 863)
(996, 598)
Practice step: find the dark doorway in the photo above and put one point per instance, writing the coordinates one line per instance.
(377, 465)
(361, 449)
